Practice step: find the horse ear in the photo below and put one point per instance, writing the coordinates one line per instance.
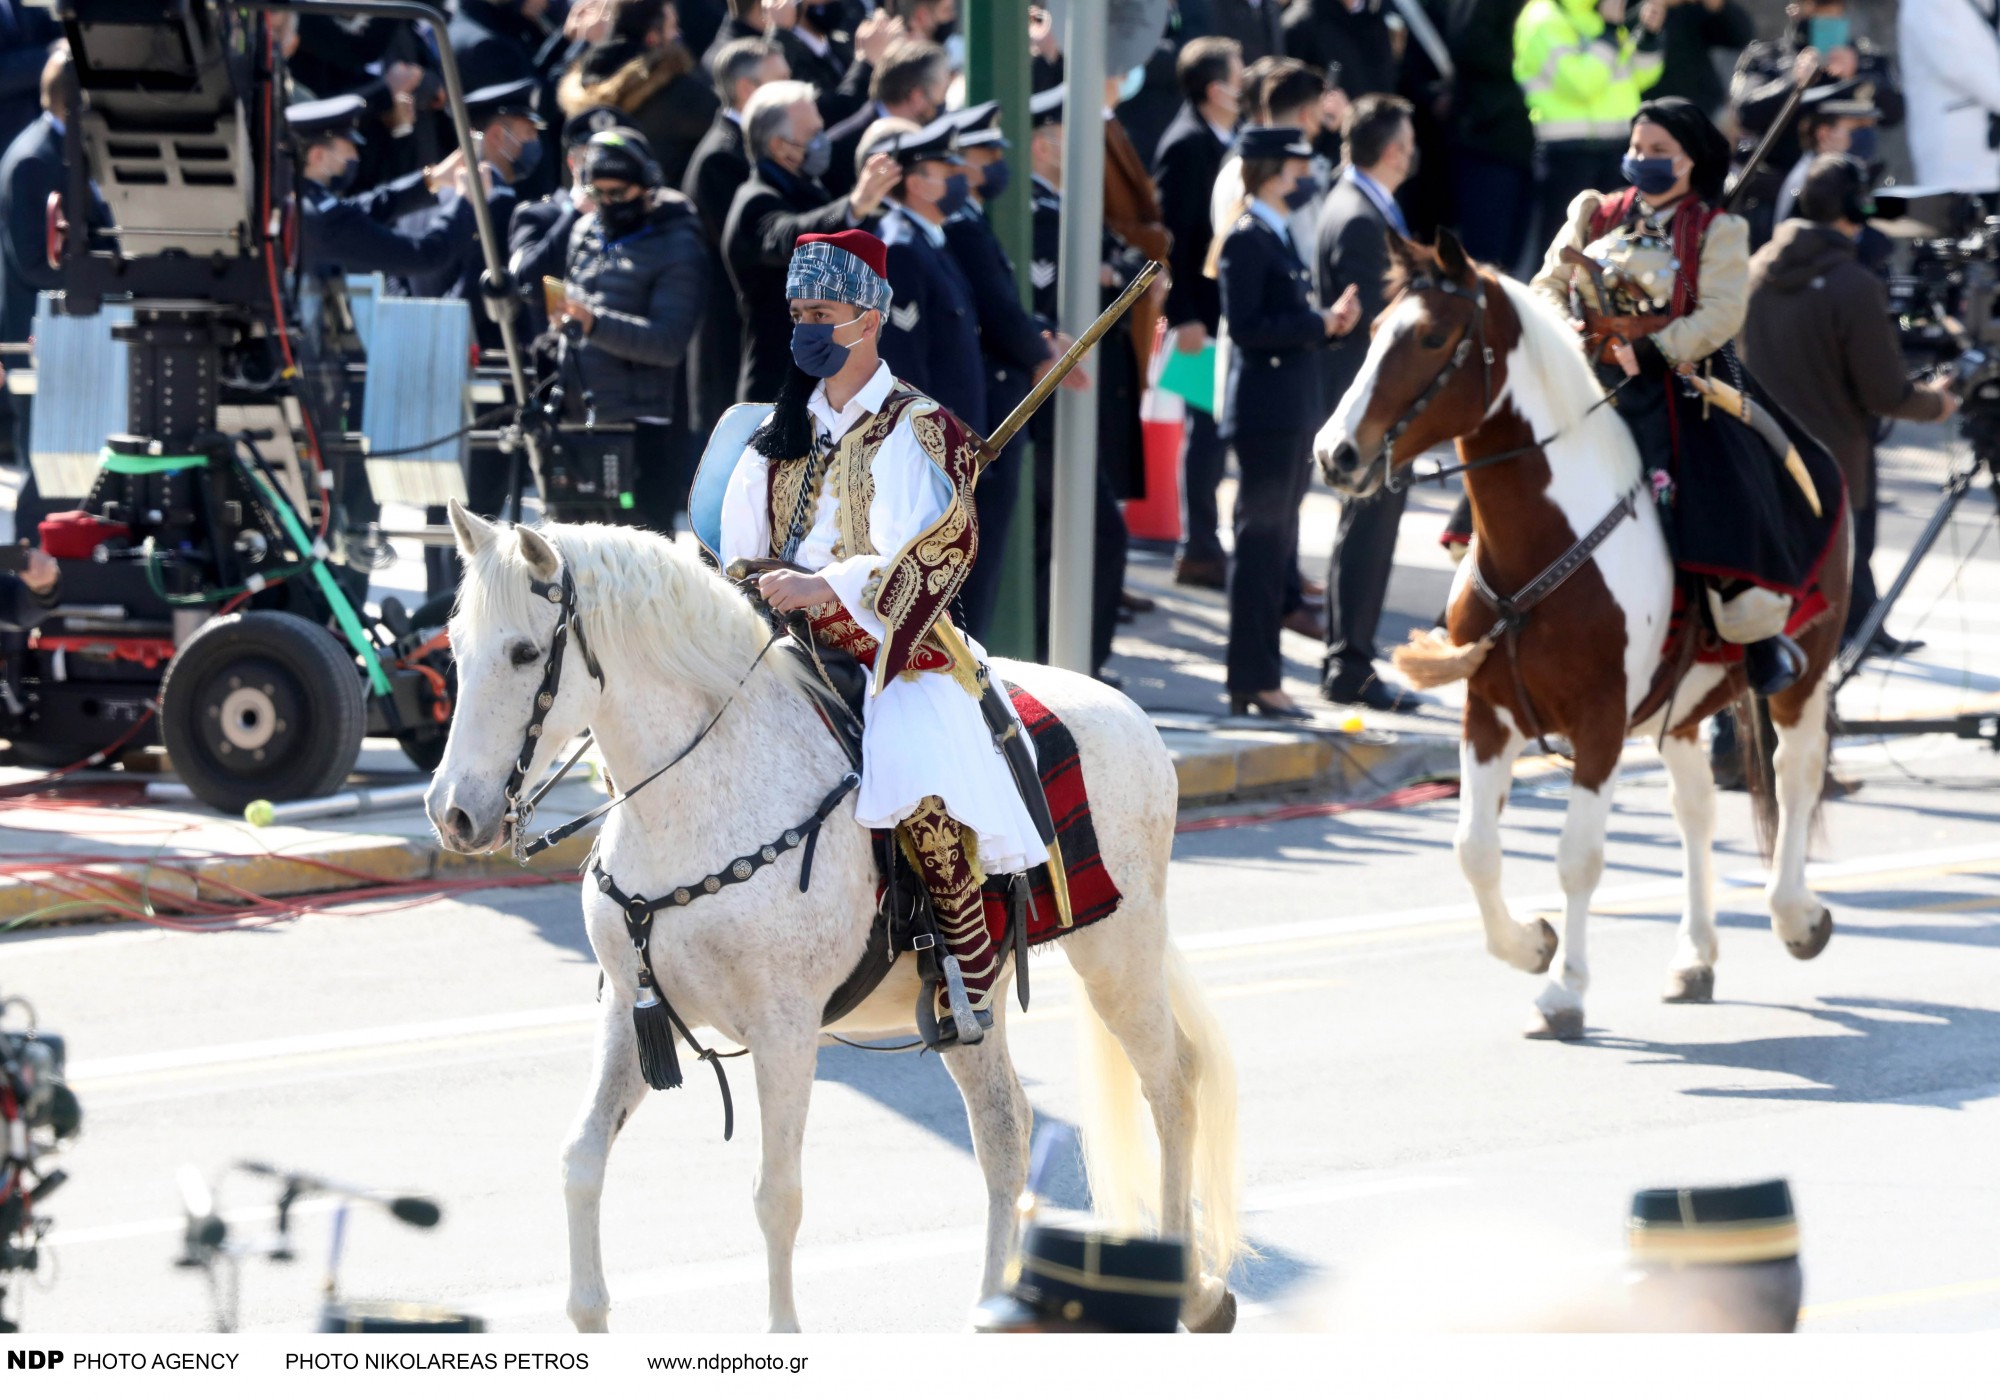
(1451, 254)
(1402, 255)
(472, 533)
(539, 554)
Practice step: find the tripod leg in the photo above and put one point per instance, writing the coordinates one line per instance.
(1856, 651)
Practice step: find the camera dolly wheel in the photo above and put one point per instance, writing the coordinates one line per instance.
(262, 705)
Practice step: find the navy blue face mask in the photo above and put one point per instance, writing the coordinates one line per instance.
(342, 179)
(814, 349)
(957, 189)
(1649, 175)
(1302, 193)
(993, 183)
(1861, 144)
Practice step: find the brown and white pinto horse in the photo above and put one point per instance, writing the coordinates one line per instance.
(1589, 653)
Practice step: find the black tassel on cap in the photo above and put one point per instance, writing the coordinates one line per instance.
(657, 1059)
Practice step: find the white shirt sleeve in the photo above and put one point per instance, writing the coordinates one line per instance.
(746, 509)
(911, 494)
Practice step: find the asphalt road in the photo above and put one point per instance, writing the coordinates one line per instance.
(1406, 1153)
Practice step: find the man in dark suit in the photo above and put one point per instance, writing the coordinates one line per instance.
(1353, 251)
(1185, 170)
(25, 35)
(782, 199)
(1350, 39)
(931, 335)
(909, 83)
(715, 172)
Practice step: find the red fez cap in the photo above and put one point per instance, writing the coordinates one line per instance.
(865, 246)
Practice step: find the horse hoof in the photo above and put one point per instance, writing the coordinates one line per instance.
(1690, 985)
(1222, 1318)
(1816, 941)
(1547, 954)
(1565, 1024)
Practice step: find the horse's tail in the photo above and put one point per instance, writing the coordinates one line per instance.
(1429, 659)
(1124, 1173)
(1758, 744)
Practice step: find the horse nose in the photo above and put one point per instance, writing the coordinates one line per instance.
(458, 826)
(1339, 465)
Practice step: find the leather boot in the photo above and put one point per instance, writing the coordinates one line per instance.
(946, 856)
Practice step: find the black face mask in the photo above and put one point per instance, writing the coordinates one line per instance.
(826, 18)
(621, 219)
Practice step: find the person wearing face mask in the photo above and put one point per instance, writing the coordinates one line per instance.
(932, 332)
(782, 199)
(538, 234)
(1018, 347)
(1669, 300)
(632, 297)
(1270, 406)
(1818, 48)
(1840, 120)
(846, 506)
(345, 233)
(909, 83)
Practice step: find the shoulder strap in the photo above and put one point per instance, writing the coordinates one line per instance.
(1611, 212)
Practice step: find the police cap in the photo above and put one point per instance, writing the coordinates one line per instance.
(587, 123)
(938, 141)
(1046, 107)
(327, 117)
(1273, 143)
(979, 125)
(514, 99)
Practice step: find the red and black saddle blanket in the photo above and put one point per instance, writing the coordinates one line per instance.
(1092, 895)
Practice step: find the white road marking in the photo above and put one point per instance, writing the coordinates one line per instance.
(819, 1260)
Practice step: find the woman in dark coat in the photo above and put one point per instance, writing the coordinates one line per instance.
(1271, 404)
(642, 68)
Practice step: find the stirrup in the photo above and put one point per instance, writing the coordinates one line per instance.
(953, 1031)
(1774, 664)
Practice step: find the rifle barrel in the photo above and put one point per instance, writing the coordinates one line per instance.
(1047, 386)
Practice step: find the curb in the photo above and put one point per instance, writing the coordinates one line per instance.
(1214, 766)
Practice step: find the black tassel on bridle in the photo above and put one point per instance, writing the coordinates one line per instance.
(658, 1060)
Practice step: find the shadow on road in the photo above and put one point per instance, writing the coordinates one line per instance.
(1894, 1051)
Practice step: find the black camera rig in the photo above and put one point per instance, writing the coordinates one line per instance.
(38, 1113)
(208, 603)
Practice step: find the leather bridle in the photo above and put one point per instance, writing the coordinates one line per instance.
(520, 813)
(1473, 336)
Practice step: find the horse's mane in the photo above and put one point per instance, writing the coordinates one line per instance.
(642, 598)
(1554, 389)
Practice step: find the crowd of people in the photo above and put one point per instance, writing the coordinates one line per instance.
(653, 163)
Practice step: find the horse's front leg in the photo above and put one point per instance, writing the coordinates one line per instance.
(784, 1057)
(1691, 978)
(997, 1110)
(1579, 866)
(1486, 766)
(1798, 916)
(615, 1091)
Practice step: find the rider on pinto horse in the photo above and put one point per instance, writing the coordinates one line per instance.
(854, 502)
(1656, 278)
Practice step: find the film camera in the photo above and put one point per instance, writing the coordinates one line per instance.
(1947, 305)
(38, 1112)
(195, 399)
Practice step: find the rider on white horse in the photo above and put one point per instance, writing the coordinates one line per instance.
(862, 486)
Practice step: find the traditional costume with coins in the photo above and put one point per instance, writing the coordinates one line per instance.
(1749, 500)
(879, 505)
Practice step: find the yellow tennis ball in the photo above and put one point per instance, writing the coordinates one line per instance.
(259, 813)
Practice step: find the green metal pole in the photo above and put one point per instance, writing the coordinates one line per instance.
(996, 66)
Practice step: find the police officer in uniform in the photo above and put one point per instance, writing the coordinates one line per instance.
(1017, 346)
(1120, 264)
(1271, 403)
(932, 332)
(358, 234)
(510, 150)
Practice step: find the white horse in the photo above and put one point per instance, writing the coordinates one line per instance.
(1589, 659)
(757, 961)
